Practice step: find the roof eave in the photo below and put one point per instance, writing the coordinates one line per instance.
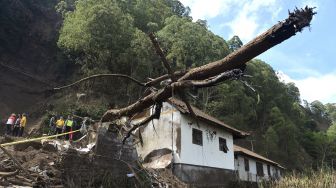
(236, 133)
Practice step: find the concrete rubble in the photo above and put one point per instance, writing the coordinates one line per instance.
(97, 159)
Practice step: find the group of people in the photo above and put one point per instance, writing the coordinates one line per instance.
(57, 125)
(15, 124)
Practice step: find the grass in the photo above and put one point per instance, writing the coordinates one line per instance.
(315, 179)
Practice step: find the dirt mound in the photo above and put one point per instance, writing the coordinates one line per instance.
(58, 163)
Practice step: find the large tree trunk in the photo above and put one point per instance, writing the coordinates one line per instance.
(208, 73)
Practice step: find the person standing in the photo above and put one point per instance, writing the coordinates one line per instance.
(68, 127)
(17, 126)
(59, 125)
(52, 125)
(10, 123)
(23, 123)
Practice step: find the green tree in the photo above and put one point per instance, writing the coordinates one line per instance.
(98, 32)
(234, 43)
(331, 111)
(189, 44)
(271, 142)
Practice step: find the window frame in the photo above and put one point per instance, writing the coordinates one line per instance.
(223, 145)
(197, 137)
(269, 170)
(260, 170)
(246, 165)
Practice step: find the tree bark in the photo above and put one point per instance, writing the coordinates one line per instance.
(296, 21)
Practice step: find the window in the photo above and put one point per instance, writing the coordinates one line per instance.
(268, 170)
(260, 170)
(222, 145)
(247, 165)
(197, 137)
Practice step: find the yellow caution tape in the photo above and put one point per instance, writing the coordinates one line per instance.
(35, 139)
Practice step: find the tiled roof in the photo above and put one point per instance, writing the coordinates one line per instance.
(249, 153)
(182, 107)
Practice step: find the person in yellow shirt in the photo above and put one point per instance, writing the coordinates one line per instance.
(69, 123)
(23, 123)
(59, 125)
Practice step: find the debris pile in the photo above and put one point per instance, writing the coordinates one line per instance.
(164, 178)
(83, 163)
(35, 164)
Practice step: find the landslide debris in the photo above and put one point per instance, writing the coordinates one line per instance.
(59, 163)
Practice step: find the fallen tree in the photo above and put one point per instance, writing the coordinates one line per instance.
(210, 74)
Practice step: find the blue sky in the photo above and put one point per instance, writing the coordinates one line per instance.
(307, 59)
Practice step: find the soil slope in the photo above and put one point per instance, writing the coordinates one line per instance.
(29, 57)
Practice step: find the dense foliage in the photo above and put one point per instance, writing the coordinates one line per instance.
(110, 36)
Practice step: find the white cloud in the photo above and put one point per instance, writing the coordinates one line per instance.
(315, 87)
(249, 20)
(247, 14)
(205, 9)
(244, 26)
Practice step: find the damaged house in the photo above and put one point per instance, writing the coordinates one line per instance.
(199, 151)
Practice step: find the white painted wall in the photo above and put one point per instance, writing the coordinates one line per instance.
(188, 153)
(161, 137)
(251, 175)
(208, 154)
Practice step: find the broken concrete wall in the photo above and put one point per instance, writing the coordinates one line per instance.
(109, 145)
(162, 134)
(108, 165)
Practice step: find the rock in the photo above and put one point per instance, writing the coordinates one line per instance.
(23, 146)
(49, 147)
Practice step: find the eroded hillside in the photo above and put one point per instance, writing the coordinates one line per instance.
(29, 57)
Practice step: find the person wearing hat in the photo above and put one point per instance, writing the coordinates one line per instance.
(23, 123)
(10, 123)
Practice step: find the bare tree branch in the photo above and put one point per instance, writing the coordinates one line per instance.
(99, 76)
(155, 115)
(165, 62)
(235, 73)
(157, 80)
(162, 56)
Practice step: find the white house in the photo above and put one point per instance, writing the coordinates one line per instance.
(199, 151)
(253, 167)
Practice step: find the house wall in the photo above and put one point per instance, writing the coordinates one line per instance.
(162, 136)
(202, 176)
(251, 175)
(209, 154)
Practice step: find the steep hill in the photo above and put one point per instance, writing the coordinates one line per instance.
(29, 57)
